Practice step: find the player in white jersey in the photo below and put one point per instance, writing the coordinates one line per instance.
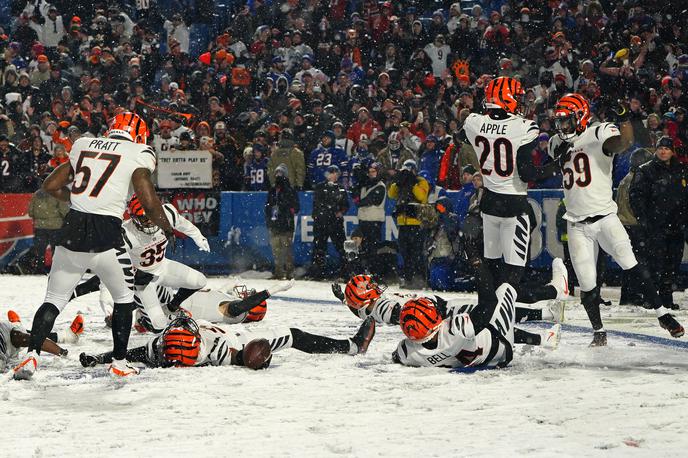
(503, 142)
(98, 181)
(481, 338)
(186, 342)
(586, 151)
(146, 244)
(14, 337)
(366, 298)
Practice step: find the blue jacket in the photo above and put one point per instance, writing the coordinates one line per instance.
(256, 175)
(430, 161)
(321, 158)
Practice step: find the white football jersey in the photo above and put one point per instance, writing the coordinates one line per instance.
(147, 251)
(588, 174)
(384, 308)
(496, 142)
(205, 305)
(7, 350)
(102, 173)
(457, 346)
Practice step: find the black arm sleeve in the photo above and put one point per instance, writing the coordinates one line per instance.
(375, 197)
(236, 308)
(527, 171)
(463, 137)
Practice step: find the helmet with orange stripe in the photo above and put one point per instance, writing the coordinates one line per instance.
(361, 291)
(420, 320)
(571, 116)
(180, 342)
(504, 93)
(130, 126)
(138, 215)
(258, 312)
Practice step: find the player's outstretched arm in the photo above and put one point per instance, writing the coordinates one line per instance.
(145, 191)
(620, 143)
(57, 181)
(21, 339)
(186, 227)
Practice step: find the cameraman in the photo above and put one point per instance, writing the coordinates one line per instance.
(410, 191)
(370, 197)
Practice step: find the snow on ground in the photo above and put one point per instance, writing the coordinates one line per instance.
(628, 399)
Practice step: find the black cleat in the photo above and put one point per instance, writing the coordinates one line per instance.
(599, 339)
(364, 335)
(668, 322)
(87, 360)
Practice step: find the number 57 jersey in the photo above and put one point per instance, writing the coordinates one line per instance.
(587, 175)
(496, 143)
(102, 173)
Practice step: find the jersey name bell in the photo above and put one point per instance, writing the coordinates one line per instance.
(496, 142)
(102, 173)
(587, 175)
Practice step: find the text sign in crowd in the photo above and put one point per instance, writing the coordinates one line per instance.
(185, 169)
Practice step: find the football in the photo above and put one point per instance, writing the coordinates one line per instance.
(257, 354)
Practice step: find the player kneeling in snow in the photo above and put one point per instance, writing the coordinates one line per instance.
(14, 336)
(365, 298)
(481, 338)
(186, 342)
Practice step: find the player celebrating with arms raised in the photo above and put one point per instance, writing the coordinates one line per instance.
(98, 182)
(586, 151)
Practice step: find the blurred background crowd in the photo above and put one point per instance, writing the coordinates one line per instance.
(358, 100)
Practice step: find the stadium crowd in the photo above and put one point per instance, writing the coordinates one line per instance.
(306, 89)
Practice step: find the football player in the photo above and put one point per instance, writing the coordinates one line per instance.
(365, 298)
(13, 337)
(146, 244)
(187, 342)
(97, 182)
(476, 339)
(503, 141)
(587, 152)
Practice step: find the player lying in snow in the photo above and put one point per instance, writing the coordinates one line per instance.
(237, 305)
(13, 337)
(187, 342)
(365, 298)
(479, 338)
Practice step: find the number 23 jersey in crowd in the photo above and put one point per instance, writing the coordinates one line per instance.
(587, 175)
(496, 143)
(102, 173)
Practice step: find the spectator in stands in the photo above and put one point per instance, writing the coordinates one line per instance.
(330, 202)
(458, 155)
(394, 156)
(256, 169)
(13, 167)
(370, 196)
(289, 154)
(658, 197)
(47, 214)
(327, 153)
(281, 207)
(409, 190)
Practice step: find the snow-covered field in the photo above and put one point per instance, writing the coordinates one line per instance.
(629, 399)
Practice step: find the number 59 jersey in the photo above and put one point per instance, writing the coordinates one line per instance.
(102, 173)
(496, 142)
(587, 175)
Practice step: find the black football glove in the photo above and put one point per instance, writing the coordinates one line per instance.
(562, 154)
(171, 240)
(621, 113)
(337, 291)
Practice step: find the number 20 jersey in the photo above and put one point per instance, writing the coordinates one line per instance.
(587, 175)
(496, 142)
(102, 173)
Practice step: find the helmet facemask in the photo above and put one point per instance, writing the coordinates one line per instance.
(566, 125)
(180, 342)
(144, 224)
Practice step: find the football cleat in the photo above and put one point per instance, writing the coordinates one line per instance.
(599, 339)
(87, 360)
(77, 326)
(364, 336)
(121, 368)
(13, 317)
(560, 278)
(668, 322)
(71, 334)
(552, 337)
(556, 308)
(26, 369)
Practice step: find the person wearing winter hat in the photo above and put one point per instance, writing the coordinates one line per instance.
(330, 202)
(658, 196)
(289, 154)
(280, 208)
(327, 153)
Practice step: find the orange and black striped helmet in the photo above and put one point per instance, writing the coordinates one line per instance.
(419, 319)
(361, 291)
(571, 115)
(138, 215)
(129, 125)
(505, 93)
(181, 342)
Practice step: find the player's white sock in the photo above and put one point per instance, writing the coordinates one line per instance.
(28, 366)
(353, 348)
(551, 338)
(66, 336)
(560, 278)
(661, 311)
